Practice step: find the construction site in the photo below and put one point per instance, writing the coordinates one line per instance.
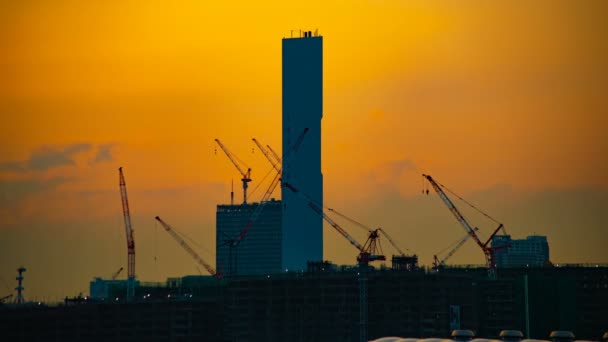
(271, 281)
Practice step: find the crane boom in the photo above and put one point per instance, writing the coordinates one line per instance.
(467, 227)
(274, 163)
(246, 175)
(319, 211)
(437, 262)
(115, 275)
(392, 242)
(355, 222)
(488, 251)
(128, 227)
(2, 299)
(188, 249)
(274, 154)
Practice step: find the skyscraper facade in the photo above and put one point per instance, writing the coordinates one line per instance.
(530, 252)
(302, 238)
(260, 251)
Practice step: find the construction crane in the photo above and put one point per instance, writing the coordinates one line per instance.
(488, 251)
(115, 275)
(274, 154)
(438, 263)
(379, 229)
(233, 243)
(367, 253)
(189, 249)
(2, 299)
(129, 233)
(246, 174)
(275, 163)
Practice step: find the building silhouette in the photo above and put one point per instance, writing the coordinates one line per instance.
(532, 251)
(260, 251)
(302, 108)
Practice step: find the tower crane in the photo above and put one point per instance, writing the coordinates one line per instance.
(488, 251)
(188, 249)
(274, 154)
(367, 253)
(379, 229)
(275, 163)
(234, 242)
(115, 275)
(438, 263)
(246, 174)
(129, 233)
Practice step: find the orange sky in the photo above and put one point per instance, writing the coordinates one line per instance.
(502, 101)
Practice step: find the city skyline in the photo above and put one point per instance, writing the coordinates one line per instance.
(502, 102)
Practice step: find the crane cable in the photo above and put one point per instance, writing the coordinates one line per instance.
(260, 183)
(471, 205)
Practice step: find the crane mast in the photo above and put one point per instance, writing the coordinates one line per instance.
(487, 250)
(129, 233)
(188, 249)
(246, 174)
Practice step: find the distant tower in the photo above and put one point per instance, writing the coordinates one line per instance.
(20, 288)
(302, 108)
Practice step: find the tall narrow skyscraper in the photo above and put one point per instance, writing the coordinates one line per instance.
(302, 238)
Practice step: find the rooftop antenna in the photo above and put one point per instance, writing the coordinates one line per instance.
(20, 288)
(232, 193)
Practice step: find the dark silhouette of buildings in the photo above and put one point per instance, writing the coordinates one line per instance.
(321, 304)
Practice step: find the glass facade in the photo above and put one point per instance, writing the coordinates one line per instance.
(260, 251)
(530, 252)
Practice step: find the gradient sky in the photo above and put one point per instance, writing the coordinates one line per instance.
(502, 101)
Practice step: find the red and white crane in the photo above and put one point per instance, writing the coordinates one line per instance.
(189, 249)
(246, 174)
(488, 251)
(129, 233)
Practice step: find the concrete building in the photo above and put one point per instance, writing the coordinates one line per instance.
(530, 252)
(302, 108)
(260, 251)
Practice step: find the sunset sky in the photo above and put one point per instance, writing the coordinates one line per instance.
(504, 102)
